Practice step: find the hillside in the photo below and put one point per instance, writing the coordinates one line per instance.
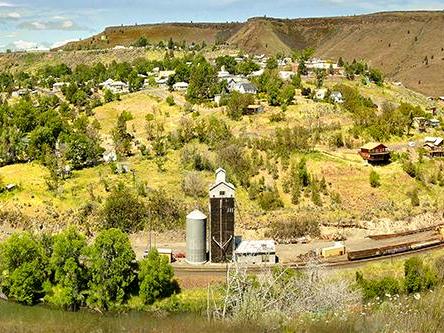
(396, 42)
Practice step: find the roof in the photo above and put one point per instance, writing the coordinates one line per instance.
(256, 247)
(196, 215)
(336, 245)
(247, 86)
(372, 145)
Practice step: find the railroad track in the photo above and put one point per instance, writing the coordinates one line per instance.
(340, 264)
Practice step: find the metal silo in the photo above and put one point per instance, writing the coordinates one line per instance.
(196, 237)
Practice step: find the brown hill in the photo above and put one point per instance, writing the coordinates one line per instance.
(407, 46)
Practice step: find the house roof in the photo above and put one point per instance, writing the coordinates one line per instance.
(372, 145)
(248, 86)
(256, 247)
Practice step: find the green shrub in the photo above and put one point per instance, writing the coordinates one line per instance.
(124, 210)
(381, 288)
(374, 179)
(270, 200)
(294, 226)
(418, 276)
(170, 100)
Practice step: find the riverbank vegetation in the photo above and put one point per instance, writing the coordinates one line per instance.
(64, 271)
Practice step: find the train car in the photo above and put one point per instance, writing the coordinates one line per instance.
(391, 249)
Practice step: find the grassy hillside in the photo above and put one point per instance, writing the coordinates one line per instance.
(346, 175)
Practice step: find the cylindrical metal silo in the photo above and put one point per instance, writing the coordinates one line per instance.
(196, 237)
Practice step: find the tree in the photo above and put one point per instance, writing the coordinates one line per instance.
(203, 82)
(237, 104)
(121, 138)
(111, 269)
(286, 95)
(320, 77)
(22, 268)
(272, 63)
(155, 278)
(123, 210)
(70, 274)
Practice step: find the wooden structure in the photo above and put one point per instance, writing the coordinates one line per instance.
(221, 219)
(434, 146)
(253, 109)
(375, 152)
(338, 249)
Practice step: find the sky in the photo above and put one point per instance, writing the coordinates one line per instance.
(42, 24)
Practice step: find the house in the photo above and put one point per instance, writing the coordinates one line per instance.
(180, 86)
(115, 86)
(245, 88)
(320, 94)
(375, 152)
(336, 250)
(286, 75)
(253, 109)
(435, 146)
(256, 252)
(336, 97)
(109, 156)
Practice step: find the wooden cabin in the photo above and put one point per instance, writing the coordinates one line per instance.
(434, 146)
(375, 152)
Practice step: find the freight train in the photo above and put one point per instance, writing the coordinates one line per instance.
(391, 249)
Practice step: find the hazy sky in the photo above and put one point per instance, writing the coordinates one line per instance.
(44, 23)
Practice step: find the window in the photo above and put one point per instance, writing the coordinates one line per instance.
(265, 258)
(222, 193)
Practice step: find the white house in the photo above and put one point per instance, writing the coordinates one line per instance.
(256, 252)
(245, 88)
(180, 86)
(115, 86)
(221, 188)
(320, 94)
(336, 97)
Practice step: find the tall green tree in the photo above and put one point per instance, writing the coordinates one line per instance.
(155, 278)
(111, 270)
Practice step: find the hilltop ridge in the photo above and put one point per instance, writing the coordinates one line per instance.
(407, 46)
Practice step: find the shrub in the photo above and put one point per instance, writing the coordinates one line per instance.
(165, 211)
(196, 157)
(270, 200)
(374, 179)
(294, 226)
(194, 185)
(379, 287)
(170, 100)
(418, 276)
(123, 210)
(414, 197)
